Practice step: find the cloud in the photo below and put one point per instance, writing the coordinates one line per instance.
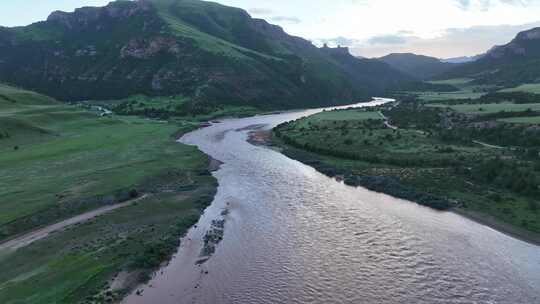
(271, 15)
(484, 5)
(453, 42)
(286, 19)
(388, 39)
(260, 11)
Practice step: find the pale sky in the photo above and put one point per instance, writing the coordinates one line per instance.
(440, 28)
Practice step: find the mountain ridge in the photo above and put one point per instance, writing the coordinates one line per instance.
(514, 63)
(208, 52)
(418, 66)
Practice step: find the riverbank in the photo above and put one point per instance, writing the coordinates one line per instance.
(357, 148)
(314, 161)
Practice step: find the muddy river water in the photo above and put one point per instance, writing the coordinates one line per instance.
(293, 235)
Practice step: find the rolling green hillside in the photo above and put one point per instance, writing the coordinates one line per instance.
(210, 53)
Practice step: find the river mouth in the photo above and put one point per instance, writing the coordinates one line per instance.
(293, 235)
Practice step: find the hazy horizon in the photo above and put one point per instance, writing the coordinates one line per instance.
(371, 28)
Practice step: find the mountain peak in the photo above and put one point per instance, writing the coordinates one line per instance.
(526, 44)
(533, 34)
(418, 66)
(339, 50)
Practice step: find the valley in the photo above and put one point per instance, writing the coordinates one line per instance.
(184, 151)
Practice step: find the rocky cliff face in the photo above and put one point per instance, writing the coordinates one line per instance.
(525, 44)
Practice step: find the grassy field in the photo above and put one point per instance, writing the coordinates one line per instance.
(351, 133)
(462, 94)
(528, 88)
(341, 115)
(417, 159)
(523, 120)
(457, 82)
(490, 108)
(57, 161)
(466, 90)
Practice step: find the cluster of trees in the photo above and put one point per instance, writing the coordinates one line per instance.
(515, 97)
(127, 108)
(7, 98)
(414, 115)
(4, 134)
(508, 175)
(367, 155)
(496, 97)
(501, 134)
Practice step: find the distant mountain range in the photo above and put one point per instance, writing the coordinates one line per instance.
(511, 64)
(205, 51)
(463, 59)
(417, 66)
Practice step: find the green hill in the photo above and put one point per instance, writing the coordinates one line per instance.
(417, 66)
(210, 53)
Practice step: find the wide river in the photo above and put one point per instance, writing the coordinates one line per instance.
(293, 235)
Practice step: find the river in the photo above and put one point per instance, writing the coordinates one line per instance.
(293, 235)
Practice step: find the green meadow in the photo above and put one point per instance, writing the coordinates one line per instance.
(490, 108)
(527, 88)
(522, 120)
(58, 161)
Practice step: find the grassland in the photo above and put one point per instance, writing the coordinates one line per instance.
(457, 82)
(523, 120)
(465, 90)
(57, 161)
(354, 115)
(420, 164)
(462, 94)
(490, 108)
(527, 88)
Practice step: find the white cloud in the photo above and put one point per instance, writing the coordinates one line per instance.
(453, 42)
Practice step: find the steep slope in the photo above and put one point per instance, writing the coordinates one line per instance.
(418, 66)
(207, 52)
(508, 65)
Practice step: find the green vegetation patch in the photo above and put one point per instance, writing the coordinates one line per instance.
(58, 161)
(490, 108)
(463, 94)
(78, 265)
(457, 82)
(522, 120)
(528, 88)
(340, 115)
